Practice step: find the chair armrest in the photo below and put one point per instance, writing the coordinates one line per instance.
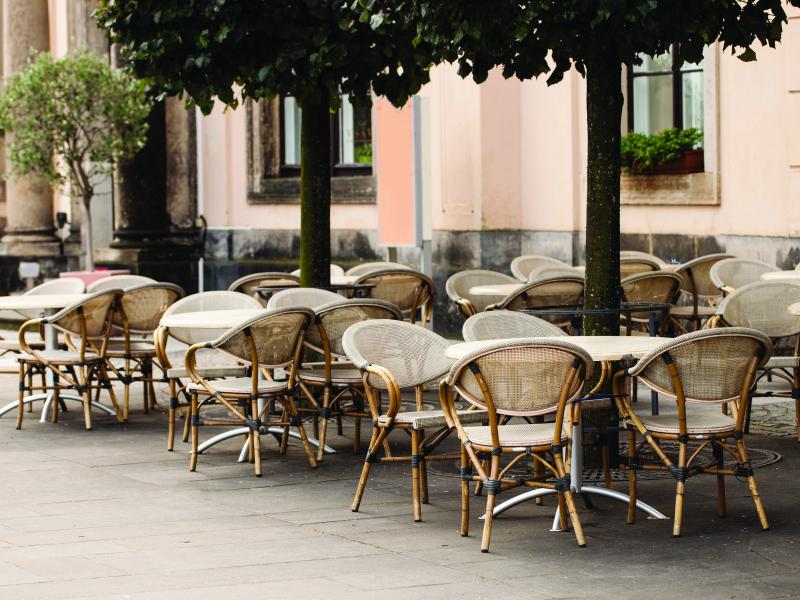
(38, 323)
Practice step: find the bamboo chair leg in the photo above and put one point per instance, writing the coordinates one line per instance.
(87, 395)
(479, 483)
(631, 471)
(291, 409)
(256, 444)
(194, 418)
(173, 405)
(491, 500)
(106, 382)
(464, 529)
(30, 387)
(562, 511)
(378, 435)
(187, 420)
(323, 423)
(423, 479)
(574, 519)
(126, 394)
(680, 486)
(537, 473)
(415, 491)
(722, 510)
(21, 397)
(56, 406)
(744, 458)
(146, 400)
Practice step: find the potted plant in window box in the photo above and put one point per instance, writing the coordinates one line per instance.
(670, 152)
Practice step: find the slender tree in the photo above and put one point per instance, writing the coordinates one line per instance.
(529, 38)
(313, 50)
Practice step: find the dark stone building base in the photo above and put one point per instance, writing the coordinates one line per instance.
(176, 263)
(49, 268)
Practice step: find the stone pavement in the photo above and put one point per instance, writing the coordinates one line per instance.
(110, 514)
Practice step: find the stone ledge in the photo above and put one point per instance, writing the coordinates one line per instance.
(359, 189)
(693, 189)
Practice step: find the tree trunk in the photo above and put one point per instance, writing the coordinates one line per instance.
(315, 193)
(86, 234)
(604, 114)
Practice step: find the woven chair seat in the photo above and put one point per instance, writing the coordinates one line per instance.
(515, 436)
(137, 349)
(209, 372)
(241, 385)
(422, 419)
(316, 374)
(61, 357)
(13, 345)
(685, 312)
(699, 420)
(777, 362)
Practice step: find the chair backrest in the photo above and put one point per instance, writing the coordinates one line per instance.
(412, 354)
(640, 254)
(712, 364)
(408, 290)
(271, 339)
(246, 284)
(459, 284)
(371, 267)
(206, 301)
(336, 271)
(88, 319)
(763, 306)
(548, 271)
(634, 265)
(522, 266)
(659, 287)
(503, 324)
(524, 377)
(118, 282)
(311, 298)
(732, 273)
(695, 275)
(332, 320)
(144, 305)
(557, 291)
(63, 285)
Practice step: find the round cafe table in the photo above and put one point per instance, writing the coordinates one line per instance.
(47, 305)
(603, 349)
(207, 326)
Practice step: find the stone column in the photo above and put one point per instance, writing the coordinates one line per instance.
(29, 205)
(181, 142)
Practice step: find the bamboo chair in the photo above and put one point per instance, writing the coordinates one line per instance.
(248, 283)
(336, 271)
(118, 282)
(138, 314)
(372, 267)
(82, 369)
(204, 301)
(457, 287)
(272, 340)
(410, 291)
(338, 379)
(548, 271)
(634, 265)
(553, 292)
(763, 306)
(524, 378)
(713, 366)
(393, 356)
(696, 284)
(730, 274)
(657, 287)
(640, 254)
(308, 297)
(522, 266)
(505, 324)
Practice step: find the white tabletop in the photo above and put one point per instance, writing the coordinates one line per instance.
(210, 319)
(497, 289)
(795, 308)
(773, 275)
(39, 301)
(600, 347)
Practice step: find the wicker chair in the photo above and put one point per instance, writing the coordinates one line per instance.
(336, 377)
(394, 356)
(372, 267)
(248, 283)
(82, 369)
(336, 271)
(204, 301)
(713, 366)
(505, 324)
(271, 340)
(657, 287)
(557, 291)
(635, 265)
(308, 297)
(697, 285)
(459, 284)
(117, 282)
(410, 291)
(522, 266)
(763, 306)
(732, 273)
(523, 378)
(138, 314)
(639, 254)
(548, 271)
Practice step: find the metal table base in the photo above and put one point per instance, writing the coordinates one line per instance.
(240, 431)
(48, 402)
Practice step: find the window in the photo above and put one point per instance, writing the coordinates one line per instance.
(351, 139)
(662, 95)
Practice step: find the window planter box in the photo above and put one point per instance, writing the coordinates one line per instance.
(692, 161)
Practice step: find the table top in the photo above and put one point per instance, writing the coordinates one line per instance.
(39, 301)
(497, 289)
(210, 319)
(772, 275)
(795, 308)
(600, 347)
